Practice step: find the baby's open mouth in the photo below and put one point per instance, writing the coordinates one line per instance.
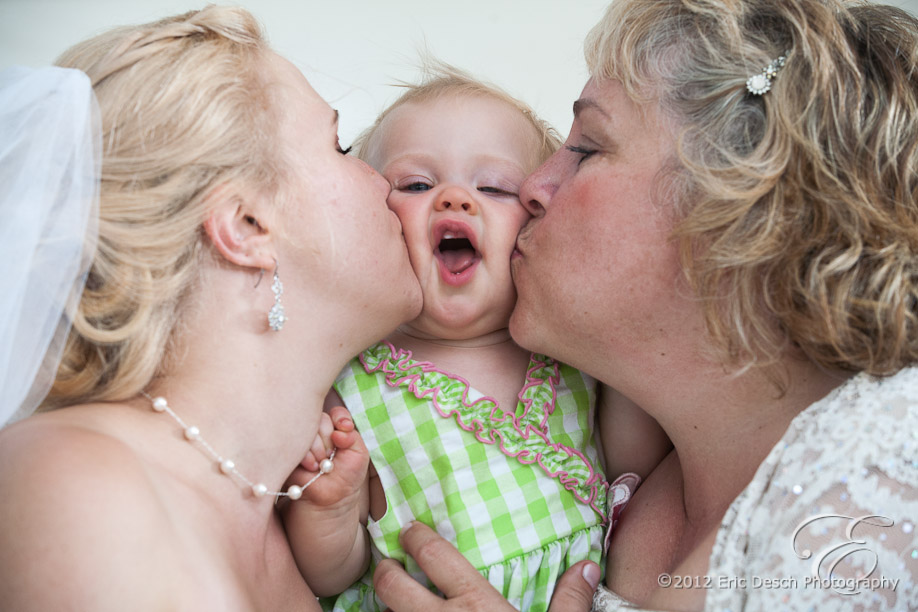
(456, 252)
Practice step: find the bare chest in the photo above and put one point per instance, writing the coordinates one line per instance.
(657, 558)
(224, 569)
(277, 584)
(503, 388)
(227, 589)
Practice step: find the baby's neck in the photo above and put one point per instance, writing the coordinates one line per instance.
(417, 338)
(493, 363)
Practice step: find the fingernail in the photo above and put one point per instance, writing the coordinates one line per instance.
(591, 575)
(405, 529)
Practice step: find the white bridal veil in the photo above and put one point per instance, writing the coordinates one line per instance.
(50, 160)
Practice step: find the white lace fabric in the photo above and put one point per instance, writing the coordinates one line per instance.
(829, 520)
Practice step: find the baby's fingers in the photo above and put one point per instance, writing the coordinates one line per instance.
(341, 418)
(321, 445)
(345, 435)
(310, 462)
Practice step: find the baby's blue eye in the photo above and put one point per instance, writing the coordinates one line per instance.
(416, 186)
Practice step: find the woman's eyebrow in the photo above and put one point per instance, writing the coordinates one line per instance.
(587, 103)
(602, 130)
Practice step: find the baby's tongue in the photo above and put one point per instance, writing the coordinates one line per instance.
(457, 260)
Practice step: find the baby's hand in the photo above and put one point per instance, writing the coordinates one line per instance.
(326, 526)
(348, 475)
(326, 438)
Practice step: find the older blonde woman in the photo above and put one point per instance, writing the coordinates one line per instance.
(189, 389)
(733, 227)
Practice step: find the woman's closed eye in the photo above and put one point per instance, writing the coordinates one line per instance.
(584, 153)
(340, 150)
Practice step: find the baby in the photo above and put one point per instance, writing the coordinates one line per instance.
(489, 444)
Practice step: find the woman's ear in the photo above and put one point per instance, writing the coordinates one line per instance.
(239, 229)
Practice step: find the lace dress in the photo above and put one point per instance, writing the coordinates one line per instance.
(829, 520)
(520, 494)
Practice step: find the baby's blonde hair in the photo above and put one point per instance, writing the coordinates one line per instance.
(796, 210)
(439, 80)
(184, 110)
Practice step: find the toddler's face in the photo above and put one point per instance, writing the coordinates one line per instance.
(455, 165)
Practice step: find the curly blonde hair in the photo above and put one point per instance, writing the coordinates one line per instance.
(438, 80)
(183, 110)
(796, 210)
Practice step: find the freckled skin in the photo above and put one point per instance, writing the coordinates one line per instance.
(598, 272)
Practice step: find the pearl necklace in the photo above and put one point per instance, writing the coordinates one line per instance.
(227, 466)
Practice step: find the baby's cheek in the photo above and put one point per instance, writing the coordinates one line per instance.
(523, 218)
(397, 206)
(394, 202)
(412, 227)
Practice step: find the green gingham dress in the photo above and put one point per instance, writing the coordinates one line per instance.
(521, 495)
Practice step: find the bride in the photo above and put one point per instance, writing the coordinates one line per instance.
(242, 258)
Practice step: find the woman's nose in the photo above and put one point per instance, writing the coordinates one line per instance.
(455, 199)
(540, 186)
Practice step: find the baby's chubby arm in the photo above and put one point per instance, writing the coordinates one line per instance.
(327, 526)
(632, 441)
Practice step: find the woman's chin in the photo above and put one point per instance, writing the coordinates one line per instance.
(523, 331)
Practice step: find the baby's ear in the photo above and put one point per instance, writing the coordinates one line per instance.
(239, 228)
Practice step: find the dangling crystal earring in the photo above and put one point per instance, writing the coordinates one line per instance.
(276, 316)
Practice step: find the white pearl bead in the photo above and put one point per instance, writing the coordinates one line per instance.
(227, 466)
(159, 404)
(326, 466)
(192, 433)
(295, 492)
(259, 490)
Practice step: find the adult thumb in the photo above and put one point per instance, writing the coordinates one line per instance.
(574, 591)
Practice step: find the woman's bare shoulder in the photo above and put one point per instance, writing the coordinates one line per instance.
(69, 456)
(81, 519)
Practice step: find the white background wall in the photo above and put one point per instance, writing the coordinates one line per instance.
(351, 50)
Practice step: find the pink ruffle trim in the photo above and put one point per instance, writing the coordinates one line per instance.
(515, 435)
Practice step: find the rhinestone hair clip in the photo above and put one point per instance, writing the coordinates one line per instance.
(760, 83)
